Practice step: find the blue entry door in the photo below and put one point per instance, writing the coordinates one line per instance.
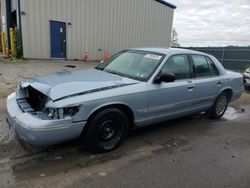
(58, 39)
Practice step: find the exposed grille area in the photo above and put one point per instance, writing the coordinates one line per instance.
(25, 106)
(34, 102)
(36, 99)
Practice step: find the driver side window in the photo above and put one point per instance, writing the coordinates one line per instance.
(177, 65)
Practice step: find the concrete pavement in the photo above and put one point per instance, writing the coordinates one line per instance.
(188, 152)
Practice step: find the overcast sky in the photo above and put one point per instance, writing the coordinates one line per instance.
(212, 22)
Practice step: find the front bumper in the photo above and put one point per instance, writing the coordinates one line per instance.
(40, 132)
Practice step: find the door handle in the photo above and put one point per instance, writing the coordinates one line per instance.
(191, 87)
(219, 83)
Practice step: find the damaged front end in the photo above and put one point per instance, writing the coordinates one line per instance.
(36, 123)
(32, 101)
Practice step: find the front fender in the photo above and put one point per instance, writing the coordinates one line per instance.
(87, 110)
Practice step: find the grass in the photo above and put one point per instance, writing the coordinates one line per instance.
(12, 61)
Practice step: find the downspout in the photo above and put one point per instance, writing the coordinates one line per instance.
(19, 24)
(8, 16)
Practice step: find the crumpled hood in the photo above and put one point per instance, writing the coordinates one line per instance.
(65, 84)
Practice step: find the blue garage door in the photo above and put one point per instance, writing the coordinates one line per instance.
(58, 39)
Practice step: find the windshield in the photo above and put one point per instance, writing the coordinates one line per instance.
(134, 64)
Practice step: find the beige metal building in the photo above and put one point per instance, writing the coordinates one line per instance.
(68, 28)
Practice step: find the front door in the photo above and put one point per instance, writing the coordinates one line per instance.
(58, 39)
(167, 100)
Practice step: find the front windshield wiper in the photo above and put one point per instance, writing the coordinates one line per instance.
(121, 74)
(99, 68)
(114, 72)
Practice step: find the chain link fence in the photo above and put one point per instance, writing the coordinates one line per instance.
(233, 58)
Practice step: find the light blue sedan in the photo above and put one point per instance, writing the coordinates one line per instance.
(134, 87)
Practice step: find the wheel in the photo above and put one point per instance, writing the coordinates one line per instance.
(107, 130)
(220, 106)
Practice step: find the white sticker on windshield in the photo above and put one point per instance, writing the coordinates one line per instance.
(152, 56)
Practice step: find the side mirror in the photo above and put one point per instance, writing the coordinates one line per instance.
(166, 77)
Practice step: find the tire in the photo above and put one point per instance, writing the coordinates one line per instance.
(107, 130)
(220, 106)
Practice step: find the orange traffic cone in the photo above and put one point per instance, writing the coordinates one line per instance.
(85, 56)
(107, 55)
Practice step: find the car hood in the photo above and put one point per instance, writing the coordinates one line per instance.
(67, 84)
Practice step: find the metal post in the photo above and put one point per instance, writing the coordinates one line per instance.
(8, 23)
(12, 43)
(223, 55)
(3, 43)
(19, 25)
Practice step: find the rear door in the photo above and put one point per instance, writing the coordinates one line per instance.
(207, 81)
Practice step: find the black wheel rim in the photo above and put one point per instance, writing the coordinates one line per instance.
(109, 131)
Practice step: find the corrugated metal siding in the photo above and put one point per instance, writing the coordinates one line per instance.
(3, 16)
(13, 5)
(111, 25)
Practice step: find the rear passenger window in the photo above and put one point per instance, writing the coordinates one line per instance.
(212, 68)
(201, 67)
(179, 66)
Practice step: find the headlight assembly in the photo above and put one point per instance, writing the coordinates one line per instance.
(70, 111)
(60, 113)
(52, 113)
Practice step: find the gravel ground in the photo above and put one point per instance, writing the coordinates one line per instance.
(188, 152)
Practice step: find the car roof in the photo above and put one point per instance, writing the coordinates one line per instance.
(168, 51)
